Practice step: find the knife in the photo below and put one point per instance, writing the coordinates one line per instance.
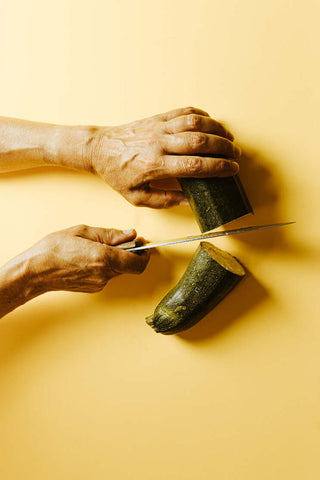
(136, 245)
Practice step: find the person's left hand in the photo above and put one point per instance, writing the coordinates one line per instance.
(135, 158)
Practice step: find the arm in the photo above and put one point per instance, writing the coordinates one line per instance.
(25, 144)
(78, 259)
(134, 158)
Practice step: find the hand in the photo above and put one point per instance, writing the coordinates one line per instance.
(135, 158)
(82, 259)
(78, 259)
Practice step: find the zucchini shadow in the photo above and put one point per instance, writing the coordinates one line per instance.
(246, 296)
(263, 187)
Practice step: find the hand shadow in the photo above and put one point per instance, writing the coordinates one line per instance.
(263, 187)
(244, 297)
(158, 274)
(28, 326)
(264, 190)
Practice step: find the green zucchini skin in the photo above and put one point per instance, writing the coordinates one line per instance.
(203, 285)
(215, 201)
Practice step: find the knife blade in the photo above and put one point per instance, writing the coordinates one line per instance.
(135, 246)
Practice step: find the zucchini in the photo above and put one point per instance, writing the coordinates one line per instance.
(210, 276)
(215, 201)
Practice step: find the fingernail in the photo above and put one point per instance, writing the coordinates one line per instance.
(128, 231)
(234, 166)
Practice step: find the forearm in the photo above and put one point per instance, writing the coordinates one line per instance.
(18, 284)
(25, 144)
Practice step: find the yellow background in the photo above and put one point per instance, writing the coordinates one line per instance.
(87, 389)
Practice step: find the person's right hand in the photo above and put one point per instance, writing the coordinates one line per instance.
(81, 259)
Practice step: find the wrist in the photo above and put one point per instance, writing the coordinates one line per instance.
(19, 283)
(70, 146)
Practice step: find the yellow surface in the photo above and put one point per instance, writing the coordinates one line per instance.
(88, 390)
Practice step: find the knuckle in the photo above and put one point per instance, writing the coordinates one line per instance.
(221, 165)
(110, 234)
(97, 259)
(162, 126)
(81, 228)
(138, 202)
(189, 110)
(153, 145)
(155, 165)
(138, 199)
(198, 141)
(132, 197)
(99, 281)
(194, 121)
(194, 165)
(100, 255)
(102, 280)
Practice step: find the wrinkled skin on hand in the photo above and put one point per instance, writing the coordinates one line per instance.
(82, 259)
(137, 158)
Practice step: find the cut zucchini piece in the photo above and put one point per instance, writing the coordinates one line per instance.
(215, 201)
(210, 276)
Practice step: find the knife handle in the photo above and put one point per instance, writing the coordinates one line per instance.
(132, 244)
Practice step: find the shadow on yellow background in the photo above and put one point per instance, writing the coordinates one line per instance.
(248, 294)
(88, 390)
(28, 326)
(263, 190)
(264, 193)
(158, 274)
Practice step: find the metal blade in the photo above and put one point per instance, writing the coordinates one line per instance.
(130, 246)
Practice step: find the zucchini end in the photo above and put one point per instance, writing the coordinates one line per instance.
(223, 258)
